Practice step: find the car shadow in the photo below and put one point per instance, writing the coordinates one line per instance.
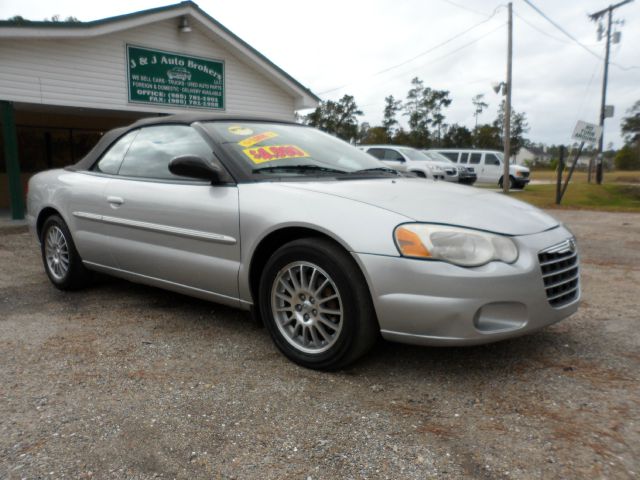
(385, 359)
(503, 357)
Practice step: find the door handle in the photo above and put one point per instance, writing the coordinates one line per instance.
(115, 200)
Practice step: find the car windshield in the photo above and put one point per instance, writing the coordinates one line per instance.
(413, 154)
(435, 156)
(277, 149)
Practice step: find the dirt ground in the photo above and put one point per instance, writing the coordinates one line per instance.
(126, 381)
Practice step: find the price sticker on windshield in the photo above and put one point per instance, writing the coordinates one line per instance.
(251, 141)
(274, 152)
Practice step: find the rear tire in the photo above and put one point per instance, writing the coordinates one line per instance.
(316, 305)
(61, 260)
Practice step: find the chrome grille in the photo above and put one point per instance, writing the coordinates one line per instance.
(560, 272)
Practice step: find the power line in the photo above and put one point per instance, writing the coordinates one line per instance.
(485, 80)
(462, 47)
(421, 54)
(587, 91)
(448, 54)
(464, 7)
(574, 39)
(539, 29)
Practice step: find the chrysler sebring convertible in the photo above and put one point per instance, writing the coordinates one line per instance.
(327, 245)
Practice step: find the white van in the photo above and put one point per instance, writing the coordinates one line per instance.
(488, 166)
(406, 159)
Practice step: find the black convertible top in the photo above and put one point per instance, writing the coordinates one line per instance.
(180, 119)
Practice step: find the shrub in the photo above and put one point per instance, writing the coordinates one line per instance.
(628, 158)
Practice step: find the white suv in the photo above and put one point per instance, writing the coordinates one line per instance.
(488, 165)
(452, 172)
(406, 159)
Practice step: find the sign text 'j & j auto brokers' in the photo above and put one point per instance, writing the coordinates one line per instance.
(166, 78)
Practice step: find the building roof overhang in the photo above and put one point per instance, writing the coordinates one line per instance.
(38, 30)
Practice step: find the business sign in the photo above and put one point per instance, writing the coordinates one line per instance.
(166, 78)
(586, 132)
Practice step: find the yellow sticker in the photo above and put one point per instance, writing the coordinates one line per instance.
(274, 152)
(240, 130)
(251, 141)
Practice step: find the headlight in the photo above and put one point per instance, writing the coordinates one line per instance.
(460, 246)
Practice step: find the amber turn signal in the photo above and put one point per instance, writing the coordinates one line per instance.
(410, 244)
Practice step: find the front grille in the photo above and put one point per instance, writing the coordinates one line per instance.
(525, 174)
(560, 272)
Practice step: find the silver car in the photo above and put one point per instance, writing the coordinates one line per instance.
(324, 243)
(405, 159)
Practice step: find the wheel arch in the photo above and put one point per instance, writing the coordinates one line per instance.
(511, 177)
(45, 213)
(274, 240)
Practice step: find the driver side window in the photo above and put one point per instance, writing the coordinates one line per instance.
(491, 159)
(393, 156)
(153, 148)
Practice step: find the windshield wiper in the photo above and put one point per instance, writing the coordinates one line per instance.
(297, 168)
(377, 169)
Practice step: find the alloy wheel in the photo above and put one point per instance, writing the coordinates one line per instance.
(307, 307)
(56, 252)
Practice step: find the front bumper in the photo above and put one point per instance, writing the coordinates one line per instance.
(468, 178)
(436, 303)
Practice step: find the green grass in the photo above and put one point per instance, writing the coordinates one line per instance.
(607, 197)
(618, 176)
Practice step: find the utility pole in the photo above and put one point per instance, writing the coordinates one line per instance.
(605, 78)
(507, 104)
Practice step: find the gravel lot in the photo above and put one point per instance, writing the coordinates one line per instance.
(126, 381)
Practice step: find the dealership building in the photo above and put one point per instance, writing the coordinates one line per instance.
(63, 84)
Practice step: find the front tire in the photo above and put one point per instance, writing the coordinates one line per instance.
(316, 305)
(512, 183)
(62, 263)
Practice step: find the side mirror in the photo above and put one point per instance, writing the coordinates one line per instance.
(194, 166)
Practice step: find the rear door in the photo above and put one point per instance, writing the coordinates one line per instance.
(173, 228)
(474, 161)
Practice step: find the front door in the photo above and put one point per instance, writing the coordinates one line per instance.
(171, 228)
(491, 169)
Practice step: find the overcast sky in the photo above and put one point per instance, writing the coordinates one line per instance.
(337, 46)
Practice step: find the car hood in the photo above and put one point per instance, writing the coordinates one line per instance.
(442, 164)
(439, 202)
(519, 168)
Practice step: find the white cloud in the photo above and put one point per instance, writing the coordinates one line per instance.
(332, 43)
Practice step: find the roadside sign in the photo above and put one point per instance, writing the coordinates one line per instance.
(608, 111)
(586, 132)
